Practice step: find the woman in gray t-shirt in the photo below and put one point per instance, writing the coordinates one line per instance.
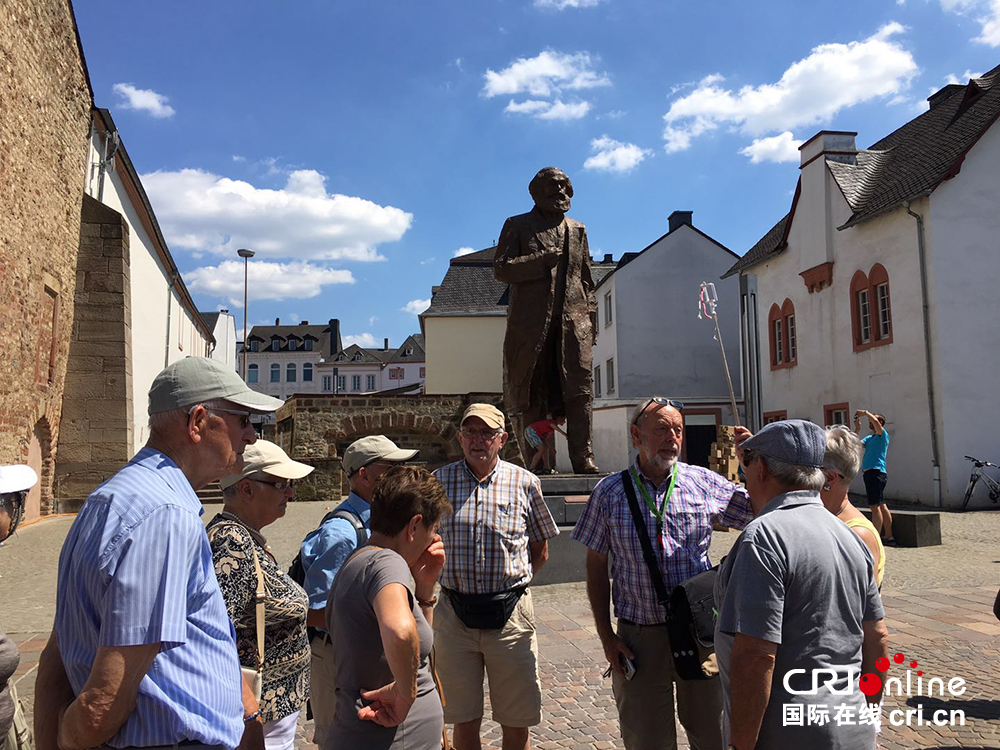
(381, 627)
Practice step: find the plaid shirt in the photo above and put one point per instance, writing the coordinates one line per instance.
(700, 498)
(486, 537)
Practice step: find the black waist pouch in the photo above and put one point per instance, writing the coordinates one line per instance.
(485, 611)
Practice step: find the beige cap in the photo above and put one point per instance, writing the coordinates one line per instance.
(373, 448)
(488, 413)
(264, 457)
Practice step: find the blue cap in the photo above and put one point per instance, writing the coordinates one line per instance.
(794, 441)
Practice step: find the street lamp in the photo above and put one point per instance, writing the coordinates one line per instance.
(246, 255)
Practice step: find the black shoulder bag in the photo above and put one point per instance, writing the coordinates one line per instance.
(689, 609)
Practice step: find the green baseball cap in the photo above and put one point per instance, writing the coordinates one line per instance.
(195, 380)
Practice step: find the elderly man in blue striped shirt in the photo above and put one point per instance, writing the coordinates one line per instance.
(679, 503)
(143, 653)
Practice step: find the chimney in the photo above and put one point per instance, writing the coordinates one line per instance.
(385, 346)
(817, 193)
(608, 258)
(833, 145)
(277, 321)
(679, 219)
(334, 329)
(304, 323)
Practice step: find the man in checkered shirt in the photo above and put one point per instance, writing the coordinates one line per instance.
(495, 540)
(680, 529)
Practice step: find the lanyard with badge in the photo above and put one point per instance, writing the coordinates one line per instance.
(657, 514)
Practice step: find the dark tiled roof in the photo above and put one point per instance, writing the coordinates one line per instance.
(908, 163)
(368, 356)
(210, 318)
(414, 342)
(321, 333)
(922, 154)
(770, 244)
(469, 288)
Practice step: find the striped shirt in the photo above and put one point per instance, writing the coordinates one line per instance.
(136, 568)
(700, 498)
(487, 535)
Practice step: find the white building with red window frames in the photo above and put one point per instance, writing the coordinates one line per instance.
(878, 291)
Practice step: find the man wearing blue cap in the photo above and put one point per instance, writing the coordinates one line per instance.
(800, 617)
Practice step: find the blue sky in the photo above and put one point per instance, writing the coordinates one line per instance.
(358, 146)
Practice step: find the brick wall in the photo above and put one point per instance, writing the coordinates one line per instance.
(95, 439)
(44, 120)
(317, 430)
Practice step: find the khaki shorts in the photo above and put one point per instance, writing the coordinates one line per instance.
(322, 688)
(509, 657)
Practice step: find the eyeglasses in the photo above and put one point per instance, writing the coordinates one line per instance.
(487, 435)
(659, 400)
(748, 458)
(244, 416)
(280, 486)
(13, 502)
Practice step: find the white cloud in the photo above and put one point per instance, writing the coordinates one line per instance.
(811, 91)
(615, 156)
(458, 62)
(557, 110)
(416, 306)
(564, 4)
(426, 261)
(463, 251)
(990, 34)
(962, 79)
(265, 280)
(371, 320)
(294, 318)
(199, 210)
(143, 100)
(364, 340)
(545, 75)
(237, 158)
(778, 148)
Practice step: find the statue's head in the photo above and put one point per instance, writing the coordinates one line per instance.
(551, 190)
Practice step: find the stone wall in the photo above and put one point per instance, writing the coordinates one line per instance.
(44, 120)
(317, 430)
(96, 436)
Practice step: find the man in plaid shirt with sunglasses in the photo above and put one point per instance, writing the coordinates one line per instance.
(679, 503)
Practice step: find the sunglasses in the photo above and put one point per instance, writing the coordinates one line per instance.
(244, 416)
(660, 401)
(280, 486)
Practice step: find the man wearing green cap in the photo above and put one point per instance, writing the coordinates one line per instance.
(143, 652)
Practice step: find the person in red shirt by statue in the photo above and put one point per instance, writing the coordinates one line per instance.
(541, 436)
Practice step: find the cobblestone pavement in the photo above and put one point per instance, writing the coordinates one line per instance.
(938, 602)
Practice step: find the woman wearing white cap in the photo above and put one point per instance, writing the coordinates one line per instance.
(15, 481)
(270, 629)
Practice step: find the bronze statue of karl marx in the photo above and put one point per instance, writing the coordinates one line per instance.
(551, 317)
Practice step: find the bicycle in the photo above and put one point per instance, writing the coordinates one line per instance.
(978, 472)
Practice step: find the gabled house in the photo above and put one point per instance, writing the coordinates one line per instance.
(284, 360)
(408, 364)
(355, 369)
(651, 343)
(878, 291)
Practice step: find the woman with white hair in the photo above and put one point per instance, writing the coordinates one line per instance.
(842, 462)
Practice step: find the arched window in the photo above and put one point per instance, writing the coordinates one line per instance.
(871, 309)
(307, 372)
(290, 373)
(252, 373)
(275, 373)
(782, 335)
